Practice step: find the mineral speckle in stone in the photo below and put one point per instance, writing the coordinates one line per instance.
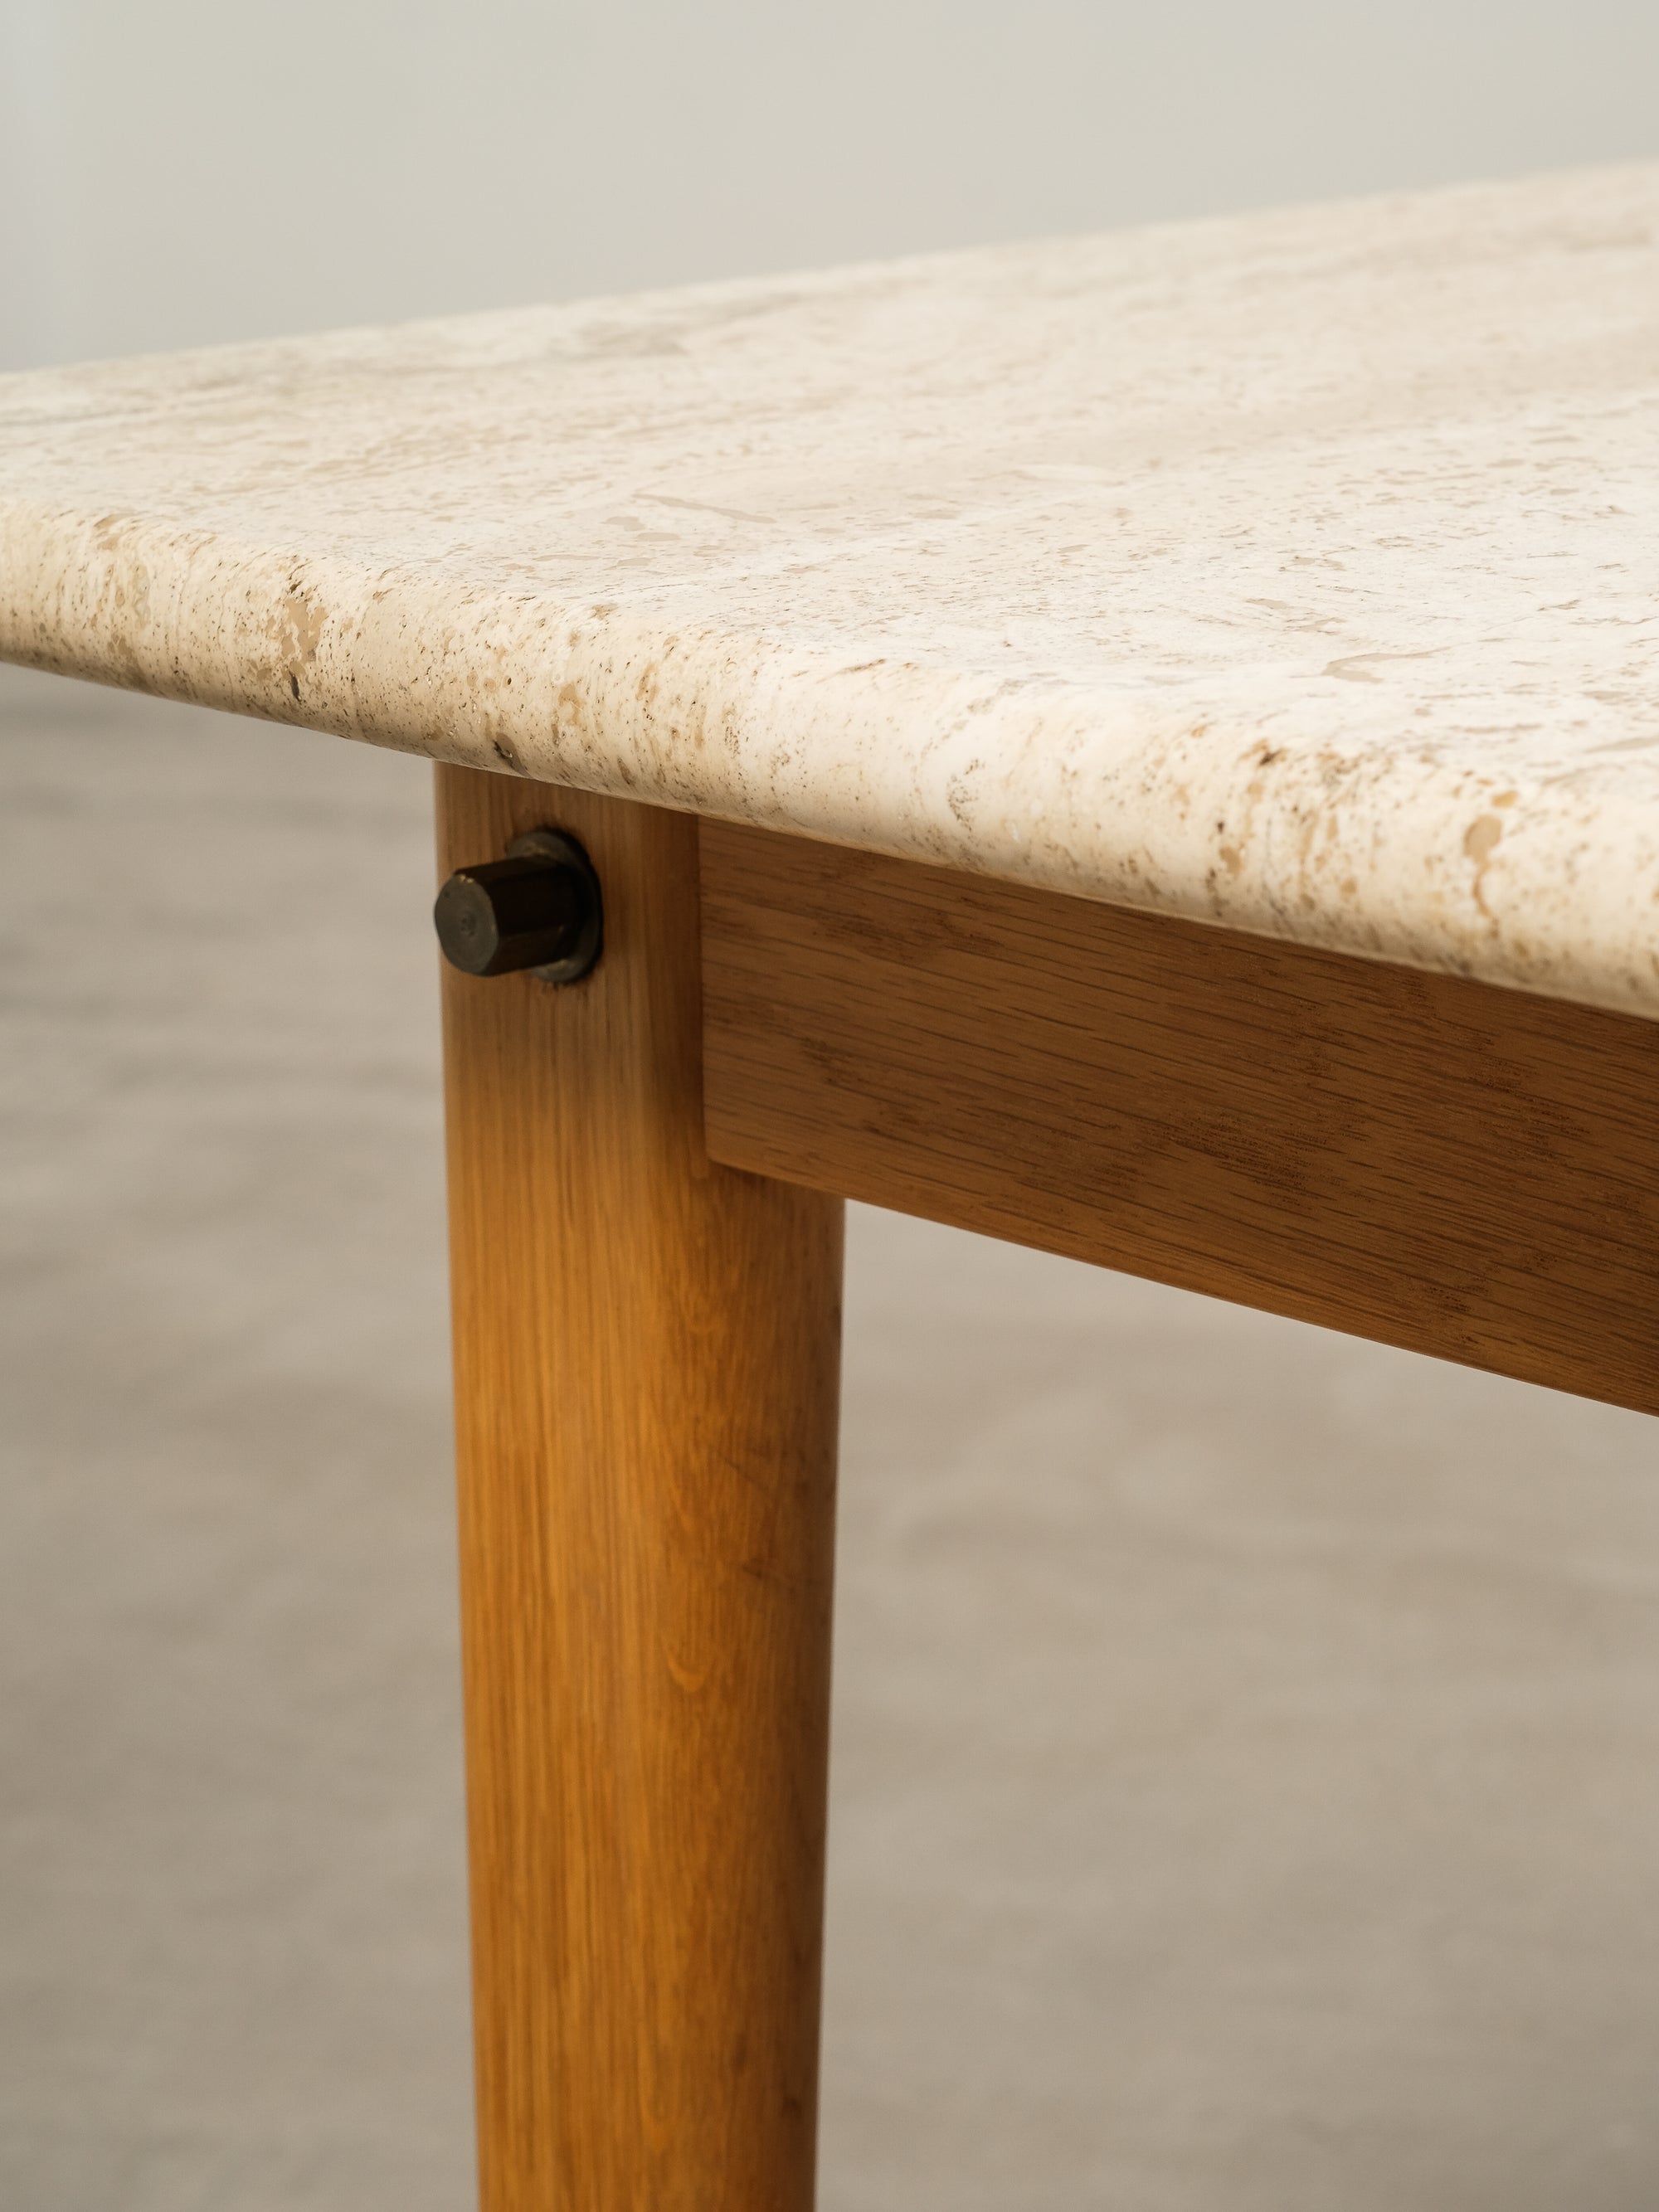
(1298, 572)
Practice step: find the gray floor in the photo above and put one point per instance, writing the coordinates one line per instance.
(1245, 1789)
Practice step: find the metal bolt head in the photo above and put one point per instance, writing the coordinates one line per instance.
(538, 908)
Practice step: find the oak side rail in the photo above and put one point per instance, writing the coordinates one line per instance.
(1463, 1170)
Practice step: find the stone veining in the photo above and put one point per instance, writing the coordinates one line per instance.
(1299, 572)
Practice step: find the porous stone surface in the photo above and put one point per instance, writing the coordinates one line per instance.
(1296, 572)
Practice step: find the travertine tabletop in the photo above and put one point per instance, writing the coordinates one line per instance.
(1298, 572)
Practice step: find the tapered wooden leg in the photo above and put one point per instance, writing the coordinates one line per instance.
(646, 1350)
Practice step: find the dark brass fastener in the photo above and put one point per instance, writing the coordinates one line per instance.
(538, 908)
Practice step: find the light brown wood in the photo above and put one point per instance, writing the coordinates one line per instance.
(1437, 1164)
(645, 1359)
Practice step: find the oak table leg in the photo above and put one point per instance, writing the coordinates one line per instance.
(646, 1350)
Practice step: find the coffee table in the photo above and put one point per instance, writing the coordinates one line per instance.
(1147, 746)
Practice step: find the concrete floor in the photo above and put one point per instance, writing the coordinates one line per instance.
(1245, 1786)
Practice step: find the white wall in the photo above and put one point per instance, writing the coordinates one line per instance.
(191, 170)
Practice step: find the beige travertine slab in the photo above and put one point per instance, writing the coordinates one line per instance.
(1298, 572)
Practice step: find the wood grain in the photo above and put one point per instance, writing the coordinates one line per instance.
(645, 1359)
(1434, 1163)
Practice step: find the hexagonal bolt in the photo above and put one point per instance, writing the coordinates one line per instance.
(538, 908)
